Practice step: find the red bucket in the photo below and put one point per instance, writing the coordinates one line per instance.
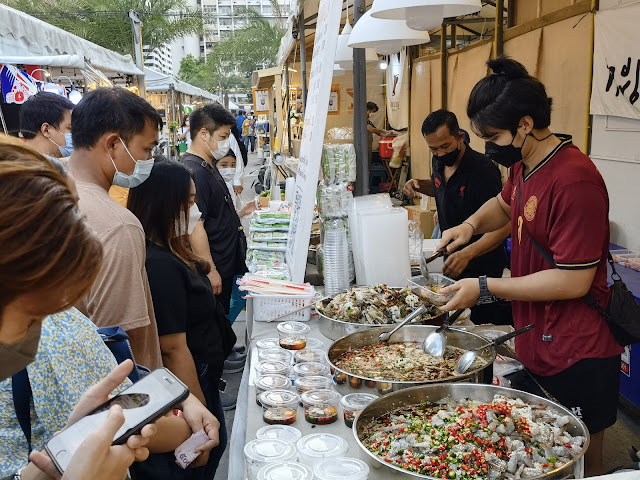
(385, 149)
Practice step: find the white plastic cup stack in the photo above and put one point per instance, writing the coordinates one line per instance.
(336, 258)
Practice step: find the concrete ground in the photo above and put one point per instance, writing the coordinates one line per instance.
(618, 438)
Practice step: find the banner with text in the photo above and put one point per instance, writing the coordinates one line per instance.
(315, 120)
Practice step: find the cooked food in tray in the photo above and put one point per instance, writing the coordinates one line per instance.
(378, 305)
(503, 439)
(401, 362)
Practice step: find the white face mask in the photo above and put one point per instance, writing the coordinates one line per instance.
(222, 150)
(186, 228)
(140, 173)
(227, 173)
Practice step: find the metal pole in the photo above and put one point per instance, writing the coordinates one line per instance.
(360, 136)
(588, 119)
(4, 124)
(303, 59)
(286, 83)
(172, 133)
(443, 64)
(136, 25)
(499, 36)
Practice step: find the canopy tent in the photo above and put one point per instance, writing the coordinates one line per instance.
(26, 39)
(159, 82)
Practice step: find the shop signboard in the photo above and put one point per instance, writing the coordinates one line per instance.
(315, 119)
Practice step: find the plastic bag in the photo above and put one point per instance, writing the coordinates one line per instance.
(338, 163)
(334, 201)
(416, 239)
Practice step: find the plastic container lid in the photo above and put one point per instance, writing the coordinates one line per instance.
(342, 469)
(357, 401)
(320, 397)
(275, 355)
(286, 470)
(309, 355)
(318, 446)
(267, 343)
(310, 368)
(269, 450)
(279, 398)
(280, 432)
(293, 328)
(267, 382)
(314, 343)
(312, 382)
(270, 368)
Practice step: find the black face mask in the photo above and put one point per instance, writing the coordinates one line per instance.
(505, 155)
(448, 159)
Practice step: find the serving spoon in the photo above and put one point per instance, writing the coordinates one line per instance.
(385, 336)
(436, 341)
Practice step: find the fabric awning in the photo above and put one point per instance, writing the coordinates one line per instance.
(70, 61)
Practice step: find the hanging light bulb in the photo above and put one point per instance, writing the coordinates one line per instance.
(423, 14)
(383, 64)
(386, 36)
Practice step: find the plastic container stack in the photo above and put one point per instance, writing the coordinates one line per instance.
(268, 235)
(336, 254)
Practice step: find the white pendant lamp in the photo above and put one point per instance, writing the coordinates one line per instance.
(338, 71)
(423, 14)
(386, 36)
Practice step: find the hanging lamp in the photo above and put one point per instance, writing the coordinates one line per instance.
(423, 14)
(386, 36)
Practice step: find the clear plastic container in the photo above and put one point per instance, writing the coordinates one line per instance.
(353, 404)
(310, 355)
(293, 335)
(342, 469)
(285, 471)
(320, 406)
(314, 343)
(270, 382)
(312, 382)
(272, 368)
(281, 432)
(279, 407)
(429, 288)
(307, 369)
(314, 448)
(267, 343)
(275, 354)
(259, 453)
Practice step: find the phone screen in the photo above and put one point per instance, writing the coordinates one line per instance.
(141, 403)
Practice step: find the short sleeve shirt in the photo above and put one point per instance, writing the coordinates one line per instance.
(475, 181)
(565, 207)
(120, 295)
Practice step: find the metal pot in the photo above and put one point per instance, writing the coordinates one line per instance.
(335, 329)
(347, 383)
(459, 391)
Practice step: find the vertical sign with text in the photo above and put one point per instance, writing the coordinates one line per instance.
(315, 119)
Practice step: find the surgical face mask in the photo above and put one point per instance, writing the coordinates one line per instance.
(67, 148)
(140, 173)
(222, 150)
(227, 173)
(17, 356)
(184, 227)
(505, 155)
(449, 159)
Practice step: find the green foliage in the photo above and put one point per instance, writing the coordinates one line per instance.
(106, 22)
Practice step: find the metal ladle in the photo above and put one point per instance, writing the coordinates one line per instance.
(468, 357)
(385, 336)
(436, 341)
(424, 261)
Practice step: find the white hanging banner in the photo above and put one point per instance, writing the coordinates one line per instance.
(616, 63)
(315, 120)
(398, 90)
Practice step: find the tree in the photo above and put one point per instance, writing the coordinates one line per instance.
(106, 22)
(193, 71)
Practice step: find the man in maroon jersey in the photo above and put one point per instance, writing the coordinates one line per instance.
(558, 206)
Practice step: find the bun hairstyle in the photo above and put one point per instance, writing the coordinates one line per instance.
(500, 100)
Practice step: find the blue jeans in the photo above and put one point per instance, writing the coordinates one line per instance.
(237, 302)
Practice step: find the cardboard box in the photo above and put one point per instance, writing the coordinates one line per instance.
(424, 218)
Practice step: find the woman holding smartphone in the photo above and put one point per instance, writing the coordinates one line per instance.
(49, 260)
(195, 336)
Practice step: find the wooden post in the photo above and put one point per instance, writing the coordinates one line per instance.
(443, 64)
(303, 59)
(499, 28)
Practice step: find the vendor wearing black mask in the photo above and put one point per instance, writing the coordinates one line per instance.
(462, 180)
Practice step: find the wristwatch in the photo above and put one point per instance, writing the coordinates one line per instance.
(485, 296)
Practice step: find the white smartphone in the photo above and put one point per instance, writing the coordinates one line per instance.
(142, 403)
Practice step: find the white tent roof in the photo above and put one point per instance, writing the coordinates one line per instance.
(158, 82)
(23, 37)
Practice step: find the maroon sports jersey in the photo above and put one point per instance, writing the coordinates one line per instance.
(565, 207)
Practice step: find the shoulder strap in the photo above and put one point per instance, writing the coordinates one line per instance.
(22, 402)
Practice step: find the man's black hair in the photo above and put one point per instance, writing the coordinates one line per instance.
(108, 110)
(372, 107)
(43, 107)
(439, 118)
(211, 117)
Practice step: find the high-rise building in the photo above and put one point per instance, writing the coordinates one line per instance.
(160, 59)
